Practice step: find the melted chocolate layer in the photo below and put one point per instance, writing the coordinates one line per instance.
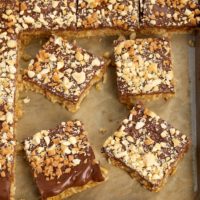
(78, 176)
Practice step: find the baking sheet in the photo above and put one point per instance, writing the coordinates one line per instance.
(101, 109)
(197, 52)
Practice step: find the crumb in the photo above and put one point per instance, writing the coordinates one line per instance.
(26, 100)
(102, 130)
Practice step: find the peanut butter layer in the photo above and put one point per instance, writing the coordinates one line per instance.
(64, 70)
(47, 14)
(170, 13)
(144, 67)
(62, 158)
(148, 146)
(116, 14)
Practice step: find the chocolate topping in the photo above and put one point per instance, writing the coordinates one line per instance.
(78, 176)
(62, 158)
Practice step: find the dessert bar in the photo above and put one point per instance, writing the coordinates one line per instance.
(64, 73)
(107, 17)
(170, 14)
(42, 16)
(62, 161)
(144, 69)
(147, 147)
(7, 138)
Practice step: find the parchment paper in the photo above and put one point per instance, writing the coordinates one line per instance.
(101, 109)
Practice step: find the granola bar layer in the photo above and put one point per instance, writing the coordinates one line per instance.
(64, 73)
(62, 161)
(107, 16)
(147, 147)
(47, 15)
(170, 14)
(144, 69)
(7, 138)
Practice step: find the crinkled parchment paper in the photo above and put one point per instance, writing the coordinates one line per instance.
(101, 109)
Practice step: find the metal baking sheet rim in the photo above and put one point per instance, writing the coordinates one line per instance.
(195, 110)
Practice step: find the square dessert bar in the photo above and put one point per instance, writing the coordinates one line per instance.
(144, 69)
(7, 138)
(170, 14)
(46, 15)
(62, 161)
(147, 147)
(8, 55)
(107, 16)
(64, 72)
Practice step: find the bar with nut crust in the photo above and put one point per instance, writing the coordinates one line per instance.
(107, 17)
(62, 161)
(144, 69)
(147, 147)
(174, 15)
(64, 73)
(7, 138)
(38, 17)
